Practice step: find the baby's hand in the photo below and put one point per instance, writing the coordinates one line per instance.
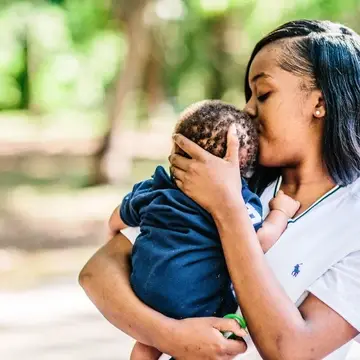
(284, 203)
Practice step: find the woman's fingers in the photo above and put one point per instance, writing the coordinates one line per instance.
(235, 347)
(177, 173)
(225, 325)
(193, 150)
(180, 162)
(178, 176)
(231, 347)
(179, 184)
(232, 152)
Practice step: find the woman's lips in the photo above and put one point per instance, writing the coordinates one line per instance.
(260, 127)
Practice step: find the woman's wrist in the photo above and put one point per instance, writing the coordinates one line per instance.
(228, 207)
(163, 337)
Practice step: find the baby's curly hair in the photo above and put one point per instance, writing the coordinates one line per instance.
(207, 122)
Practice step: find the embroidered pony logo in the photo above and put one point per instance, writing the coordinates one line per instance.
(296, 270)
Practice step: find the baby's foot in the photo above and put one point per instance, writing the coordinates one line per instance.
(144, 352)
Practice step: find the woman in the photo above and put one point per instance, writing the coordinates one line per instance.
(300, 299)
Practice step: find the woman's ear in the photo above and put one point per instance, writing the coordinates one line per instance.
(319, 105)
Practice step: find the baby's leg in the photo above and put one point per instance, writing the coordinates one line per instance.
(144, 352)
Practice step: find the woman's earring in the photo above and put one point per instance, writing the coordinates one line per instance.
(317, 113)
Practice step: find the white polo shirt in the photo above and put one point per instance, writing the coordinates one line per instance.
(319, 253)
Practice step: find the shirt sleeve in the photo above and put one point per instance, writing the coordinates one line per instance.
(253, 206)
(131, 233)
(132, 202)
(339, 288)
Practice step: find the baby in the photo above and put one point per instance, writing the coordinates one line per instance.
(178, 266)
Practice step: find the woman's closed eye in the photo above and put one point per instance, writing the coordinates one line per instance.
(263, 97)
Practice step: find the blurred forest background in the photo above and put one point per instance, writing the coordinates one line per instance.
(89, 93)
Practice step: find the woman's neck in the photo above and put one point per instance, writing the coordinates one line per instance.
(306, 184)
(310, 169)
(296, 181)
(306, 175)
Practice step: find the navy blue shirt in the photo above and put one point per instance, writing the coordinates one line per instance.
(178, 266)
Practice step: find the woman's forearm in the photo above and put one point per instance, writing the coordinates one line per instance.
(274, 322)
(105, 279)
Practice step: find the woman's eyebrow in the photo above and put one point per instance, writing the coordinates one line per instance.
(259, 76)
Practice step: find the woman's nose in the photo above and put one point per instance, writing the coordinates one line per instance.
(250, 109)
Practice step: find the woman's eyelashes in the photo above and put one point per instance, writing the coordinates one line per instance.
(262, 98)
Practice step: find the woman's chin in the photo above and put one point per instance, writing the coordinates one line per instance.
(268, 154)
(268, 161)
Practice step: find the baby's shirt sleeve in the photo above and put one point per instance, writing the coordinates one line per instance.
(339, 288)
(133, 202)
(253, 205)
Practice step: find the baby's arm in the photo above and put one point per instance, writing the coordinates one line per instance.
(282, 208)
(128, 212)
(116, 223)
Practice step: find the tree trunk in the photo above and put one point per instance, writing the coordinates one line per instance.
(217, 86)
(154, 85)
(34, 58)
(112, 162)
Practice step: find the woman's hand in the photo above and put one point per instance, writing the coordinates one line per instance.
(207, 179)
(201, 338)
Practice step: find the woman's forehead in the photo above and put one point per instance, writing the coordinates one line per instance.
(266, 61)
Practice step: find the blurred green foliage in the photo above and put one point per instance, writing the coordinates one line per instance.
(57, 54)
(66, 54)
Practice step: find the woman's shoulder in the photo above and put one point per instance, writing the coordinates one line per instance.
(351, 201)
(338, 218)
(354, 190)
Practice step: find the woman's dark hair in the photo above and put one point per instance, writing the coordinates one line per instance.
(329, 55)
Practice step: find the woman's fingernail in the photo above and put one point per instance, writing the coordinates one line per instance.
(233, 129)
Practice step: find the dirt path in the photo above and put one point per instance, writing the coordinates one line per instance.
(45, 315)
(57, 322)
